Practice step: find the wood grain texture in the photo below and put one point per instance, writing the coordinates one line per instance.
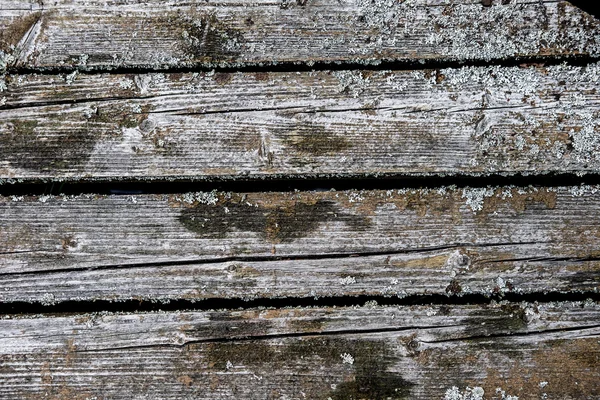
(223, 245)
(531, 351)
(150, 34)
(472, 120)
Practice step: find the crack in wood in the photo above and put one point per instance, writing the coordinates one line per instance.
(234, 338)
(518, 334)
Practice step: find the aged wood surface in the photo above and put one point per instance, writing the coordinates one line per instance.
(218, 245)
(128, 33)
(116, 90)
(548, 351)
(471, 120)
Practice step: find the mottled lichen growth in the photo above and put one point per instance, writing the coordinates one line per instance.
(489, 199)
(459, 34)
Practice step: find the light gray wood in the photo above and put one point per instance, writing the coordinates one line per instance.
(472, 120)
(223, 245)
(148, 34)
(530, 351)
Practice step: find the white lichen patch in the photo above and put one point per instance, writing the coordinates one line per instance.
(458, 263)
(347, 358)
(466, 31)
(83, 59)
(355, 197)
(370, 304)
(5, 60)
(475, 197)
(389, 17)
(45, 198)
(209, 198)
(125, 83)
(351, 82)
(70, 78)
(454, 393)
(47, 299)
(584, 190)
(526, 81)
(349, 280)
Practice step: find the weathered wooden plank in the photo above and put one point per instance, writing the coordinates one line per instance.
(223, 245)
(474, 120)
(128, 33)
(487, 271)
(529, 351)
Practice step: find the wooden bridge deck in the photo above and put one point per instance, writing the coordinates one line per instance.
(310, 199)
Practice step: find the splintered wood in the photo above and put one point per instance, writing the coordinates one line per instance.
(459, 290)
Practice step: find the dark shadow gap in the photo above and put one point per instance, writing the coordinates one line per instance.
(304, 66)
(290, 183)
(132, 306)
(590, 7)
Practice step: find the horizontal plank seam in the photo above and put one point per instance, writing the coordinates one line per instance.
(334, 65)
(84, 307)
(129, 185)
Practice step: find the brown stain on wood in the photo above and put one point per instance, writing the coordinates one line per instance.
(576, 359)
(314, 140)
(519, 201)
(429, 262)
(223, 78)
(277, 223)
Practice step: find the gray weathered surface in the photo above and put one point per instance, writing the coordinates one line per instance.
(472, 120)
(342, 353)
(127, 33)
(448, 241)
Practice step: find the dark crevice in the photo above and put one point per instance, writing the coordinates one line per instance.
(291, 257)
(590, 7)
(301, 66)
(288, 183)
(131, 306)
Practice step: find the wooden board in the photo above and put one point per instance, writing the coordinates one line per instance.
(529, 351)
(303, 244)
(472, 120)
(147, 34)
